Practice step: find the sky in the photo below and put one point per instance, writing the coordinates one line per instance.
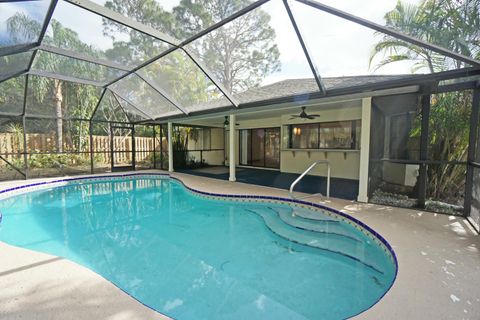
(338, 47)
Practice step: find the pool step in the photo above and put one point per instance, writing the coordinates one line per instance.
(318, 225)
(306, 214)
(327, 225)
(309, 236)
(335, 242)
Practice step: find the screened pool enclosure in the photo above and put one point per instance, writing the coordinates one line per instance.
(89, 86)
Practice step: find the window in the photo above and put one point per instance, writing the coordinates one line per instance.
(325, 135)
(304, 136)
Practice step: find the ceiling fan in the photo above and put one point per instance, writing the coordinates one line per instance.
(227, 122)
(304, 115)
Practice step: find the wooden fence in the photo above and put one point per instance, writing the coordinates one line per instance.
(11, 146)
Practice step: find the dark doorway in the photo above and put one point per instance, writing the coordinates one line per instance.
(260, 147)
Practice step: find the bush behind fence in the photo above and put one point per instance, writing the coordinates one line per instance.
(12, 146)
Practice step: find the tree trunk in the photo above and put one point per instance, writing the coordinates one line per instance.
(58, 99)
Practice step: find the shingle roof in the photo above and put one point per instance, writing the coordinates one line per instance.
(292, 87)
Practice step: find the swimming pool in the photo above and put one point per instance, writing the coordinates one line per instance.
(199, 256)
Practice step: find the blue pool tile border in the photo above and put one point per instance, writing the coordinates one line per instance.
(345, 216)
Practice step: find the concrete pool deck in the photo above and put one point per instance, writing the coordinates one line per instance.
(438, 278)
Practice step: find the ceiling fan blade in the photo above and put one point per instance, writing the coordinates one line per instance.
(314, 115)
(310, 117)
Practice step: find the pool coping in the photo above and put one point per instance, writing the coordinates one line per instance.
(359, 225)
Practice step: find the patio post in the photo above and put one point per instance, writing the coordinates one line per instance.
(170, 147)
(231, 155)
(424, 136)
(472, 149)
(364, 150)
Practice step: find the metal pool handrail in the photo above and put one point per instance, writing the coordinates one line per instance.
(313, 165)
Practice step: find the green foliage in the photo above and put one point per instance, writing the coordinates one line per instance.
(247, 46)
(52, 97)
(12, 94)
(454, 25)
(449, 125)
(143, 131)
(450, 24)
(55, 160)
(148, 12)
(240, 54)
(17, 129)
(181, 157)
(180, 154)
(22, 29)
(109, 110)
(448, 136)
(45, 94)
(176, 71)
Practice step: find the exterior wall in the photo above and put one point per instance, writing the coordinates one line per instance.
(401, 174)
(218, 140)
(217, 157)
(214, 157)
(344, 163)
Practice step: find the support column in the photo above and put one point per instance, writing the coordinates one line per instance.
(232, 155)
(134, 149)
(472, 149)
(364, 150)
(154, 128)
(170, 147)
(422, 171)
(90, 134)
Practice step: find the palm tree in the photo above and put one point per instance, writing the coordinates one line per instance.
(21, 26)
(454, 25)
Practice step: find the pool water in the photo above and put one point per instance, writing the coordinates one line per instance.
(195, 258)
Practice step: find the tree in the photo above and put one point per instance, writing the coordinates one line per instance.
(181, 77)
(139, 46)
(241, 53)
(74, 99)
(454, 25)
(22, 29)
(448, 137)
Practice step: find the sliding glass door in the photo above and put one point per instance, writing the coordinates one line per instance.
(272, 148)
(260, 147)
